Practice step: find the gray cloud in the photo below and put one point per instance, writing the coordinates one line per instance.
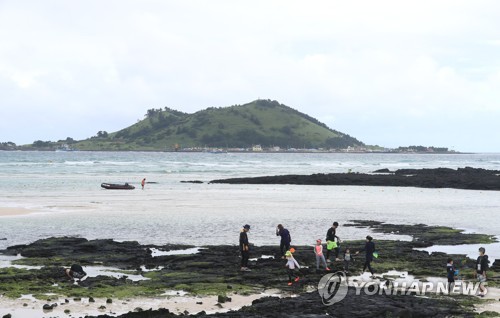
(387, 72)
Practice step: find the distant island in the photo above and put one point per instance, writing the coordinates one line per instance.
(259, 126)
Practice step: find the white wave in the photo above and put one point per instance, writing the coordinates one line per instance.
(79, 163)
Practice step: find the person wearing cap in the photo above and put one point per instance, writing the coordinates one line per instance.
(244, 248)
(286, 239)
(369, 250)
(331, 244)
(291, 264)
(318, 251)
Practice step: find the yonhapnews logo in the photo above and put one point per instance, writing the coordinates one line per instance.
(333, 288)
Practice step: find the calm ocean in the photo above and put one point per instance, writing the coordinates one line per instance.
(62, 189)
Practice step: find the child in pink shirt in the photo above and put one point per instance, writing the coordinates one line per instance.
(318, 251)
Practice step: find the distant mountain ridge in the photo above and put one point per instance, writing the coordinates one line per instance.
(263, 122)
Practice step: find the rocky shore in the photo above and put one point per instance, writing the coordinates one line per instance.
(461, 178)
(214, 270)
(310, 305)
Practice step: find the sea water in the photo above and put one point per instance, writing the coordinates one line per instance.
(62, 192)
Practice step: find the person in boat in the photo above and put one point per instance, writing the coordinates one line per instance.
(143, 182)
(332, 242)
(244, 248)
(75, 272)
(286, 239)
(369, 249)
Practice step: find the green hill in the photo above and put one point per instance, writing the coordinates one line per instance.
(264, 122)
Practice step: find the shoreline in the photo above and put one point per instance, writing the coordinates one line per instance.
(257, 152)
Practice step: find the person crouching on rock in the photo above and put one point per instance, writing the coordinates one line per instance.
(291, 264)
(244, 248)
(75, 272)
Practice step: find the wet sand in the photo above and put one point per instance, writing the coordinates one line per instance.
(493, 301)
(29, 307)
(13, 211)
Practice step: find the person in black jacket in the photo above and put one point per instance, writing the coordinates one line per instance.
(244, 248)
(331, 236)
(450, 271)
(369, 249)
(481, 268)
(286, 239)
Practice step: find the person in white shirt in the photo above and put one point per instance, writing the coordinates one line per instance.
(291, 264)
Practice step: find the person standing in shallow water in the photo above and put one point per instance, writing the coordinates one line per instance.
(286, 239)
(244, 248)
(143, 182)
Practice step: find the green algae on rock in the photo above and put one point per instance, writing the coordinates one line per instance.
(214, 270)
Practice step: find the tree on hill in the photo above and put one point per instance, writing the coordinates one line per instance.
(102, 134)
(41, 144)
(9, 145)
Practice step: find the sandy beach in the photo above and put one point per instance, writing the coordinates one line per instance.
(14, 211)
(493, 301)
(29, 307)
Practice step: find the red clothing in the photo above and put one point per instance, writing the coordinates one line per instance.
(318, 249)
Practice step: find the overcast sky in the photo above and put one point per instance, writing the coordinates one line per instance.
(391, 73)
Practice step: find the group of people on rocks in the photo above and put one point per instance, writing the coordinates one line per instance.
(333, 249)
